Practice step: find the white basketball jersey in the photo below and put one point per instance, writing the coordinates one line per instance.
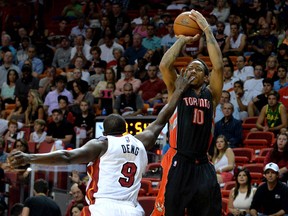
(121, 169)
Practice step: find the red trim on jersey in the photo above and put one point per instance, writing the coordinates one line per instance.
(92, 187)
(173, 130)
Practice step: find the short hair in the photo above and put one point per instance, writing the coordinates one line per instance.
(275, 93)
(97, 49)
(269, 81)
(57, 110)
(206, 68)
(16, 209)
(280, 66)
(41, 186)
(227, 92)
(114, 124)
(40, 122)
(240, 82)
(61, 78)
(128, 84)
(63, 97)
(13, 122)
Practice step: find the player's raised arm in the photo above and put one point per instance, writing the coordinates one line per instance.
(150, 134)
(88, 152)
(215, 56)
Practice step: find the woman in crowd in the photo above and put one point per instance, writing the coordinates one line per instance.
(8, 88)
(241, 195)
(223, 160)
(18, 113)
(76, 209)
(142, 28)
(279, 155)
(35, 109)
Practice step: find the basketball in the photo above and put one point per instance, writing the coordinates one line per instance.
(184, 25)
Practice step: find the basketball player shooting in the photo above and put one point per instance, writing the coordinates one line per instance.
(118, 160)
(189, 180)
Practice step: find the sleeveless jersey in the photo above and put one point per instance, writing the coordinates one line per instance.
(195, 119)
(273, 117)
(173, 130)
(117, 173)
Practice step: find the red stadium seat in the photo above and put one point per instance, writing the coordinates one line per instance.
(248, 152)
(225, 193)
(259, 140)
(147, 186)
(255, 167)
(229, 185)
(147, 203)
(45, 147)
(241, 160)
(225, 206)
(32, 147)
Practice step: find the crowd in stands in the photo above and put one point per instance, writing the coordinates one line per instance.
(101, 57)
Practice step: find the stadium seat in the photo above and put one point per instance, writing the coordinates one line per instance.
(255, 167)
(247, 125)
(147, 203)
(32, 147)
(248, 152)
(241, 160)
(229, 185)
(258, 140)
(262, 154)
(225, 193)
(147, 186)
(225, 206)
(45, 147)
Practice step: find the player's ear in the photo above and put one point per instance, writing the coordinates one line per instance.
(104, 133)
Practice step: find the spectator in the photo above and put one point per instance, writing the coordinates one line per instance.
(119, 68)
(230, 127)
(85, 121)
(240, 99)
(80, 49)
(78, 194)
(51, 100)
(62, 55)
(18, 113)
(37, 64)
(16, 209)
(142, 28)
(255, 106)
(229, 79)
(220, 36)
(22, 52)
(6, 43)
(8, 88)
(106, 101)
(151, 90)
(35, 109)
(243, 72)
(235, 42)
(47, 83)
(78, 76)
(76, 209)
(107, 48)
(273, 116)
(3, 154)
(26, 82)
(7, 65)
(12, 135)
(279, 156)
(240, 197)
(39, 134)
(41, 204)
(109, 76)
(282, 81)
(59, 129)
(270, 197)
(254, 86)
(223, 160)
(64, 107)
(79, 66)
(221, 11)
(271, 68)
(128, 103)
(62, 30)
(129, 78)
(169, 39)
(73, 10)
(97, 65)
(283, 54)
(136, 51)
(151, 41)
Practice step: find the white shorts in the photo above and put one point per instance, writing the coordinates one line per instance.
(104, 207)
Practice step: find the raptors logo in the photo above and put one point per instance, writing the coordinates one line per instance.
(159, 207)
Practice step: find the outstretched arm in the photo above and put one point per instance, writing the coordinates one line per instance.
(88, 152)
(150, 134)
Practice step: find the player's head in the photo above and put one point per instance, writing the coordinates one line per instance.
(199, 70)
(114, 124)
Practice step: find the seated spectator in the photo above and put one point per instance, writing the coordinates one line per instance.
(37, 64)
(8, 88)
(96, 65)
(223, 160)
(80, 93)
(151, 41)
(78, 194)
(279, 156)
(39, 133)
(78, 76)
(235, 42)
(129, 103)
(282, 75)
(76, 209)
(283, 54)
(51, 100)
(80, 50)
(273, 116)
(16, 209)
(229, 79)
(136, 51)
(3, 154)
(26, 82)
(12, 135)
(62, 55)
(241, 195)
(4, 126)
(41, 204)
(270, 197)
(151, 89)
(142, 27)
(129, 78)
(164, 100)
(85, 121)
(22, 145)
(230, 127)
(7, 66)
(257, 103)
(243, 72)
(271, 68)
(35, 109)
(18, 113)
(63, 103)
(47, 84)
(107, 100)
(73, 10)
(169, 39)
(109, 76)
(254, 86)
(22, 52)
(60, 129)
(225, 98)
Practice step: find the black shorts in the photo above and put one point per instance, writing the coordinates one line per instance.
(192, 184)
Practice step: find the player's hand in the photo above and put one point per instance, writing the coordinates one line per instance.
(199, 18)
(18, 158)
(184, 80)
(75, 176)
(189, 39)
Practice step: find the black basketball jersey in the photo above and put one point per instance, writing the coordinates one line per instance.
(194, 122)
